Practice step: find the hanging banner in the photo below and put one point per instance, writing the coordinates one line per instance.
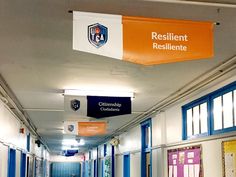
(92, 128)
(95, 107)
(146, 41)
(100, 106)
(85, 128)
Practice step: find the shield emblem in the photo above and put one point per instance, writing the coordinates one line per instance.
(75, 105)
(97, 35)
(70, 128)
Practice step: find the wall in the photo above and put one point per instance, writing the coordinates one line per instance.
(129, 141)
(167, 134)
(10, 137)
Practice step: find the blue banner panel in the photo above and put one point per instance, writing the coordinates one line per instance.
(100, 106)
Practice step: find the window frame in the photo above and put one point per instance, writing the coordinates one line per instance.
(220, 92)
(191, 105)
(209, 99)
(144, 148)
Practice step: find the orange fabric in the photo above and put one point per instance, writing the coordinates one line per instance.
(194, 40)
(91, 128)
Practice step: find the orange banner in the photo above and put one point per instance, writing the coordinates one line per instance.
(150, 41)
(91, 128)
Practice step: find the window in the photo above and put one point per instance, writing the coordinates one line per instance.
(196, 119)
(28, 142)
(211, 114)
(147, 136)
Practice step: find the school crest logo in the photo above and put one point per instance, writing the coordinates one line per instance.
(75, 105)
(71, 128)
(97, 35)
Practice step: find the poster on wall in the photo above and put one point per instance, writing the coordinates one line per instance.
(31, 166)
(185, 162)
(89, 168)
(107, 167)
(38, 167)
(229, 158)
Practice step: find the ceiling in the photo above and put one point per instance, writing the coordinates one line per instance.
(38, 63)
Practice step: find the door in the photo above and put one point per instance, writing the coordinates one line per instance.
(60, 169)
(95, 168)
(23, 165)
(126, 166)
(148, 165)
(12, 163)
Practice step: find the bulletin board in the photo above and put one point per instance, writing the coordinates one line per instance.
(229, 158)
(185, 162)
(38, 167)
(107, 167)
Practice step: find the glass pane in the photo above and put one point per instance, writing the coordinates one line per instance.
(148, 138)
(228, 110)
(189, 122)
(217, 113)
(203, 116)
(235, 108)
(196, 117)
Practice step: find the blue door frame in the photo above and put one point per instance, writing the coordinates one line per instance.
(23, 165)
(144, 147)
(126, 165)
(28, 142)
(102, 168)
(95, 168)
(12, 163)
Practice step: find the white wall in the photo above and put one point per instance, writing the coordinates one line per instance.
(159, 129)
(10, 136)
(9, 128)
(3, 160)
(119, 166)
(130, 141)
(135, 165)
(18, 160)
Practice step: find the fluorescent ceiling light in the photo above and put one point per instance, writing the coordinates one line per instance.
(72, 142)
(99, 93)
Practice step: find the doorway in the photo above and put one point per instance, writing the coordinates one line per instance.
(126, 166)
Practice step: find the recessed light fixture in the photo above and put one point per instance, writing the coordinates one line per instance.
(113, 93)
(72, 142)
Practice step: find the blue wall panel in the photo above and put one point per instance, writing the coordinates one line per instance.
(65, 169)
(126, 166)
(12, 163)
(23, 165)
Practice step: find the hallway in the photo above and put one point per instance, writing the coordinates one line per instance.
(135, 88)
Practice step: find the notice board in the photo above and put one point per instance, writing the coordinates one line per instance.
(185, 162)
(229, 158)
(107, 166)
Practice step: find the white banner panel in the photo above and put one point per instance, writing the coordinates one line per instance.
(98, 33)
(71, 127)
(75, 106)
